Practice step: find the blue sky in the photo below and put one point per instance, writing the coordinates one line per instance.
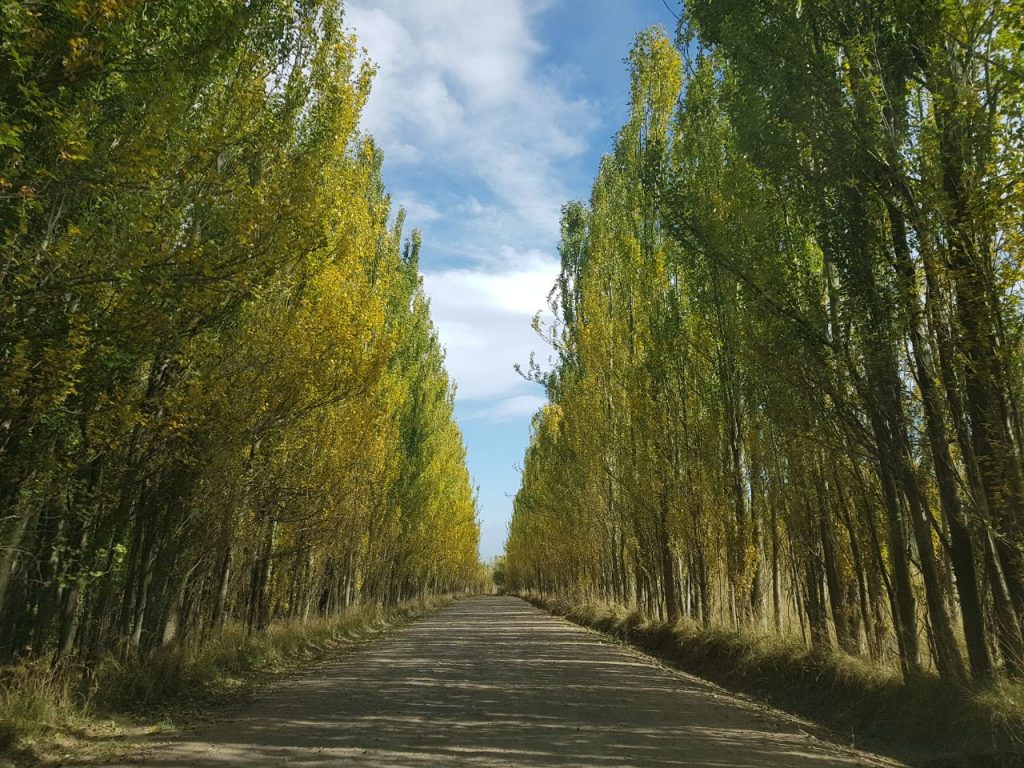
(491, 114)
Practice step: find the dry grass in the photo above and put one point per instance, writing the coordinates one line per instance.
(922, 721)
(48, 714)
(34, 697)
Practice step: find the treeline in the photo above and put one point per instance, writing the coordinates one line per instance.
(788, 388)
(221, 394)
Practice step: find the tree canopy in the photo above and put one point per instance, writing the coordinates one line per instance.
(788, 381)
(221, 393)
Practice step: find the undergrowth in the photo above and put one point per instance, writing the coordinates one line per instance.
(922, 721)
(33, 698)
(42, 705)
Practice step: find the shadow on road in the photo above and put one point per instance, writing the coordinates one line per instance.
(492, 681)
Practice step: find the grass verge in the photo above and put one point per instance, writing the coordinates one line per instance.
(70, 714)
(923, 722)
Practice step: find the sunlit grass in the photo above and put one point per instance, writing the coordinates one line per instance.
(35, 697)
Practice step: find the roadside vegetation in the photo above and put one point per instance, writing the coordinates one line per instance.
(786, 393)
(226, 429)
(922, 721)
(52, 713)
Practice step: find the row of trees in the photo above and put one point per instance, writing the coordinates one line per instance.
(788, 387)
(221, 394)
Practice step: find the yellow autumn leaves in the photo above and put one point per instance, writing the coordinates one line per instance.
(222, 394)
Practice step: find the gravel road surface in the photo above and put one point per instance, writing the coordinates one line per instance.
(493, 681)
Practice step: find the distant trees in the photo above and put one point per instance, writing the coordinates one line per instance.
(789, 337)
(221, 394)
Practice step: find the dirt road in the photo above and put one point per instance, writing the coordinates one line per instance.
(492, 681)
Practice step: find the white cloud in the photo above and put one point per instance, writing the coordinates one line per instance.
(482, 144)
(483, 320)
(404, 153)
(459, 91)
(416, 209)
(509, 409)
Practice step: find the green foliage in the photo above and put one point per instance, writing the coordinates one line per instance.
(221, 394)
(789, 341)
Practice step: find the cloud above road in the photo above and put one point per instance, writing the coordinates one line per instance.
(483, 319)
(475, 132)
(459, 86)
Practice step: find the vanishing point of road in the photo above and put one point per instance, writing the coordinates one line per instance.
(493, 682)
